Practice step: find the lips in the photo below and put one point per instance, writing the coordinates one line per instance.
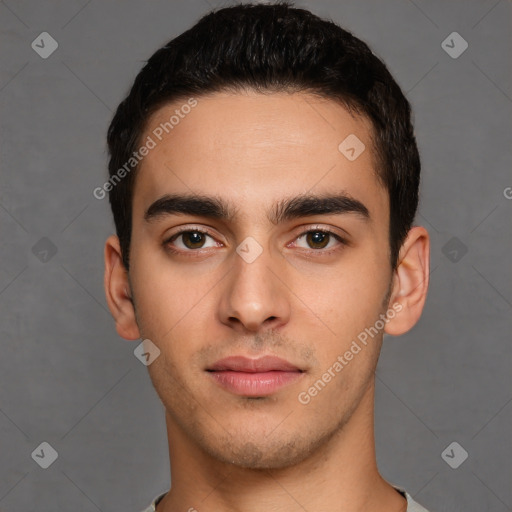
(262, 364)
(253, 377)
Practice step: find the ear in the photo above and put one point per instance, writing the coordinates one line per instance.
(410, 282)
(117, 291)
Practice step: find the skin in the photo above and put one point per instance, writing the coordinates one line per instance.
(295, 300)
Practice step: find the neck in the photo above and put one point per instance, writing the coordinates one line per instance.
(340, 476)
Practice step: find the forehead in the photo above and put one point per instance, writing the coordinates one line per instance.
(256, 148)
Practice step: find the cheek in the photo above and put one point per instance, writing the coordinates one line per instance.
(158, 287)
(172, 304)
(346, 304)
(353, 294)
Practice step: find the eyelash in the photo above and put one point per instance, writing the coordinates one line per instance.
(176, 235)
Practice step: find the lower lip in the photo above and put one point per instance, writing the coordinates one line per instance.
(254, 384)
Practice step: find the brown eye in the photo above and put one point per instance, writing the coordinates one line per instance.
(317, 239)
(193, 239)
(189, 240)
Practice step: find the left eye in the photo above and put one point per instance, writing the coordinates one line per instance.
(319, 238)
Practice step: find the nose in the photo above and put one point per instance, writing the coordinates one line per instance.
(254, 297)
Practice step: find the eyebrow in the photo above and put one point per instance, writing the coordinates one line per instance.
(284, 210)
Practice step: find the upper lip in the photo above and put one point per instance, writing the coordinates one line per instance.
(246, 364)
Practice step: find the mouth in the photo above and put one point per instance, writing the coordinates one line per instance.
(254, 377)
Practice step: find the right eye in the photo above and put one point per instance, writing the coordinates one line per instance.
(188, 240)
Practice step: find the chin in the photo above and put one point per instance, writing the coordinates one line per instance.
(260, 456)
(264, 451)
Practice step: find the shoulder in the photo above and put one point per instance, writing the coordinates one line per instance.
(154, 503)
(412, 506)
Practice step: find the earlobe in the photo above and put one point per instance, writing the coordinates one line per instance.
(117, 291)
(410, 281)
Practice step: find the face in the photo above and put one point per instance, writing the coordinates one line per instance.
(260, 271)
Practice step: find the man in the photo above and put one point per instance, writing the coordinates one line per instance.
(264, 180)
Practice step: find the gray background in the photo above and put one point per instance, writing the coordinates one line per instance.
(69, 380)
